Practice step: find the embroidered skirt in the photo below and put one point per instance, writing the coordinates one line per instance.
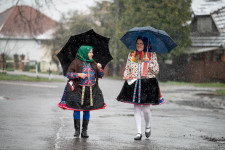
(149, 93)
(72, 99)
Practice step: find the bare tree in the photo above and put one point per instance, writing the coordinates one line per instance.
(25, 24)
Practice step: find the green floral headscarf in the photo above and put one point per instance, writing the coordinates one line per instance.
(82, 54)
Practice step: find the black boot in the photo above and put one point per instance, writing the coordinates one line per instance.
(84, 129)
(77, 127)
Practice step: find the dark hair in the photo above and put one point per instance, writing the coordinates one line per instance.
(145, 41)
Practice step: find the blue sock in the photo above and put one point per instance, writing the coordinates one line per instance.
(86, 115)
(76, 115)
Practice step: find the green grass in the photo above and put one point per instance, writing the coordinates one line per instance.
(48, 73)
(4, 76)
(8, 77)
(217, 84)
(220, 92)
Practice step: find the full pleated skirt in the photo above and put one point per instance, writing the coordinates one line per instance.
(73, 99)
(149, 93)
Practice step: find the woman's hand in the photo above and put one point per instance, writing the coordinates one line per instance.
(146, 59)
(99, 66)
(125, 78)
(82, 75)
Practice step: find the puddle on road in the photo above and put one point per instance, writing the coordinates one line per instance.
(199, 104)
(186, 90)
(161, 116)
(206, 94)
(5, 98)
(207, 100)
(126, 115)
(220, 140)
(117, 115)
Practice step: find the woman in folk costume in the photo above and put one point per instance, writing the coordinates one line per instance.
(82, 92)
(141, 86)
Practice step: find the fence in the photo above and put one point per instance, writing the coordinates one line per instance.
(22, 65)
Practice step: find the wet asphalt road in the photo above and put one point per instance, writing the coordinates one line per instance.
(192, 118)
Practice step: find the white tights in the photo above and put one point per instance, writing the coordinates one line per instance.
(137, 116)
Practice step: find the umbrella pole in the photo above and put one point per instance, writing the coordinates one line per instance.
(145, 66)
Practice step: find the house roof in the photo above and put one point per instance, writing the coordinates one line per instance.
(219, 18)
(211, 40)
(208, 41)
(206, 7)
(24, 22)
(195, 50)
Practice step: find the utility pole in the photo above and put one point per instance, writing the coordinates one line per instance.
(115, 66)
(50, 72)
(36, 67)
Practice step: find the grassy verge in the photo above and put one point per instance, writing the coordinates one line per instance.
(217, 84)
(197, 84)
(4, 76)
(220, 92)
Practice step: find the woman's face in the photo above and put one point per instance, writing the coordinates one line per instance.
(140, 45)
(90, 54)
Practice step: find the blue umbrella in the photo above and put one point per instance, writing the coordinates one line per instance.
(161, 42)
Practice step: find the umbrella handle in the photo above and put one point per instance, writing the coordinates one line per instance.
(146, 56)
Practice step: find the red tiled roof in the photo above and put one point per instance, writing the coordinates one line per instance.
(24, 21)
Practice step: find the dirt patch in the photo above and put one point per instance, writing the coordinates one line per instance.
(199, 104)
(211, 95)
(117, 115)
(220, 140)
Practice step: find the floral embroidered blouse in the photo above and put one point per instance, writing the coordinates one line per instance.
(131, 69)
(90, 79)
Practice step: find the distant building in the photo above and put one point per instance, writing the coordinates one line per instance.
(23, 29)
(207, 56)
(206, 59)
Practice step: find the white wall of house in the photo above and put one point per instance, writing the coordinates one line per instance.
(29, 48)
(46, 60)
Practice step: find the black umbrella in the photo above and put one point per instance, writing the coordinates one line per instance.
(89, 38)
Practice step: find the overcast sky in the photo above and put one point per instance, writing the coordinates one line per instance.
(54, 8)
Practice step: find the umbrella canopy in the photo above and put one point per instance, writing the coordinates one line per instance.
(89, 38)
(161, 42)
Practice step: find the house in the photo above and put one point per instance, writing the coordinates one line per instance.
(207, 55)
(23, 29)
(206, 59)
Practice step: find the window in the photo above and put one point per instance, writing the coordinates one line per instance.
(204, 24)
